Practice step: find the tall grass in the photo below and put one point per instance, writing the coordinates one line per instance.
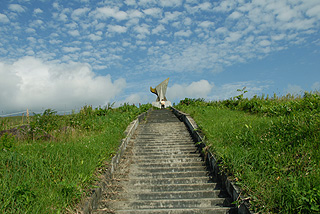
(271, 152)
(51, 174)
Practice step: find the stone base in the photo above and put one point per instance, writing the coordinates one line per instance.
(158, 104)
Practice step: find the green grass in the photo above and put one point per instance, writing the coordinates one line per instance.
(11, 122)
(274, 157)
(38, 176)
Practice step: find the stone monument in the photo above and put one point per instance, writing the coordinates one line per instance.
(161, 90)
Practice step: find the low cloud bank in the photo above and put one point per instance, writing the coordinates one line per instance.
(199, 89)
(36, 84)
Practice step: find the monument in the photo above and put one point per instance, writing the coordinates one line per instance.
(161, 90)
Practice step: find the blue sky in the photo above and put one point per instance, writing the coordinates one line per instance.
(65, 54)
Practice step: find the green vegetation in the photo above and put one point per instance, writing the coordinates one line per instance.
(10, 122)
(58, 159)
(268, 146)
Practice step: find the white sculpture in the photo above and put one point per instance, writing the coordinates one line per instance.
(161, 90)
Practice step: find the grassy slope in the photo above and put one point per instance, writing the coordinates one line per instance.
(275, 159)
(39, 176)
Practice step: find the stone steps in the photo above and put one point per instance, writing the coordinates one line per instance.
(162, 172)
(172, 203)
(174, 187)
(212, 210)
(162, 181)
(165, 164)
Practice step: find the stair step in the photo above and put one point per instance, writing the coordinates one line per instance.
(165, 140)
(162, 181)
(165, 151)
(169, 174)
(167, 156)
(175, 187)
(153, 170)
(172, 203)
(165, 144)
(165, 164)
(159, 160)
(217, 210)
(163, 154)
(176, 195)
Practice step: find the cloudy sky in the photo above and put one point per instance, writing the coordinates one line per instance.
(65, 54)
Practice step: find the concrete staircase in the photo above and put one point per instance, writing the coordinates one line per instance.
(162, 172)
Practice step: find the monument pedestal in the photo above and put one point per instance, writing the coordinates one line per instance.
(158, 104)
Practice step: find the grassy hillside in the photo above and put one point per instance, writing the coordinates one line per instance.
(269, 146)
(55, 162)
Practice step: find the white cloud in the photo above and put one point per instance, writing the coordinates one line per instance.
(206, 24)
(55, 41)
(235, 15)
(229, 90)
(100, 26)
(199, 89)
(143, 29)
(60, 16)
(155, 12)
(133, 99)
(147, 3)
(37, 11)
(130, 2)
(170, 3)
(74, 33)
(158, 29)
(3, 18)
(108, 12)
(170, 16)
(316, 86)
(16, 8)
(187, 21)
(205, 6)
(135, 14)
(222, 30)
(233, 36)
(278, 37)
(36, 23)
(79, 12)
(225, 6)
(314, 11)
(56, 5)
(31, 39)
(265, 43)
(286, 15)
(34, 84)
(94, 37)
(117, 28)
(161, 42)
(121, 15)
(70, 49)
(293, 89)
(183, 33)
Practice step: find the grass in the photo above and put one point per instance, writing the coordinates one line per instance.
(273, 156)
(11, 122)
(51, 176)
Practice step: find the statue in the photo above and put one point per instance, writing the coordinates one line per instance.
(161, 90)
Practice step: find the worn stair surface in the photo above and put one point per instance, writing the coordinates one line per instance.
(162, 172)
